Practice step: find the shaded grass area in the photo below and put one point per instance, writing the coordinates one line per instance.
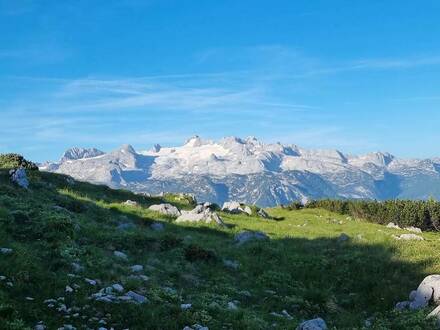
(304, 269)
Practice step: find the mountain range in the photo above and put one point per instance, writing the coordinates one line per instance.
(252, 172)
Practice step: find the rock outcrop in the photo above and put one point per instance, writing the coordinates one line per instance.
(200, 213)
(19, 177)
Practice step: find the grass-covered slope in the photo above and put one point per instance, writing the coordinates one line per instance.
(63, 232)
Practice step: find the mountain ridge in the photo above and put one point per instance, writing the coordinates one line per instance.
(253, 172)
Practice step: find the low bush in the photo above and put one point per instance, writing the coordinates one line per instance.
(16, 160)
(197, 253)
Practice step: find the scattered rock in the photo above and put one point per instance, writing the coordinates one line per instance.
(247, 210)
(233, 207)
(233, 264)
(185, 307)
(262, 213)
(247, 235)
(137, 268)
(315, 324)
(166, 209)
(19, 177)
(120, 255)
(91, 282)
(77, 267)
(118, 288)
(413, 229)
(196, 327)
(409, 237)
(392, 225)
(69, 289)
(131, 203)
(157, 226)
(6, 250)
(200, 214)
(137, 297)
(232, 306)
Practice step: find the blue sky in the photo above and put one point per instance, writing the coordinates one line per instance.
(358, 76)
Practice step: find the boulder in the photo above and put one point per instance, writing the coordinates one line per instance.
(413, 229)
(166, 209)
(130, 203)
(409, 237)
(232, 207)
(315, 324)
(200, 214)
(19, 177)
(263, 214)
(428, 291)
(392, 225)
(247, 210)
(247, 235)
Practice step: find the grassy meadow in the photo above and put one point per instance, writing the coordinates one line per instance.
(63, 232)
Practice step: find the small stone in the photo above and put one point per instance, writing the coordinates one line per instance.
(91, 282)
(185, 307)
(231, 264)
(130, 203)
(69, 289)
(77, 267)
(137, 297)
(117, 287)
(232, 306)
(5, 251)
(315, 324)
(120, 255)
(137, 268)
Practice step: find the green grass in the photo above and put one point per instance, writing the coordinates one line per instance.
(303, 269)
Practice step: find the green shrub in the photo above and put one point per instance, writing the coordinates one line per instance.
(296, 205)
(16, 160)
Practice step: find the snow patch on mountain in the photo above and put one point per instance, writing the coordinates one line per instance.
(250, 171)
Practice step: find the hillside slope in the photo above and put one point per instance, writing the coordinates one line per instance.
(253, 172)
(68, 240)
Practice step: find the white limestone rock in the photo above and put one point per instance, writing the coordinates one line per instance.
(166, 209)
